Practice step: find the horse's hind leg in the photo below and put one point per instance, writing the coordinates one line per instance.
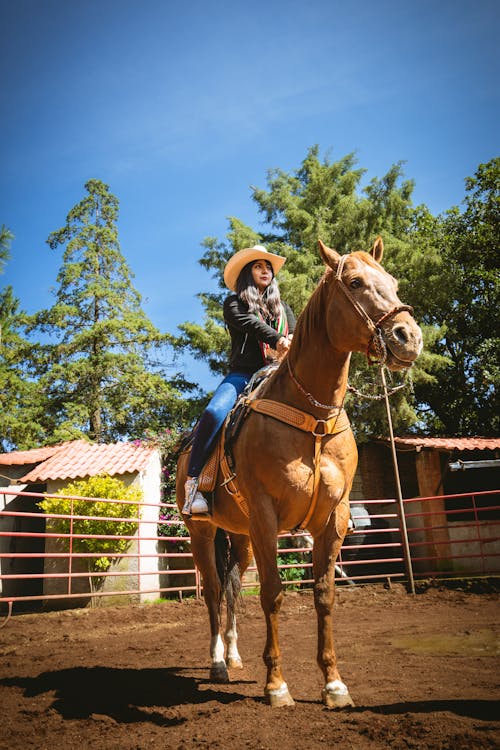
(241, 554)
(326, 548)
(203, 549)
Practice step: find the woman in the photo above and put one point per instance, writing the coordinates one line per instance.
(258, 321)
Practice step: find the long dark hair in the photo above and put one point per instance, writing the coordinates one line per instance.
(268, 304)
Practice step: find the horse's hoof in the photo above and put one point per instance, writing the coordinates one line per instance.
(336, 695)
(234, 662)
(279, 697)
(218, 672)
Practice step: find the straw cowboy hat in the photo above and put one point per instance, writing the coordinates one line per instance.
(247, 255)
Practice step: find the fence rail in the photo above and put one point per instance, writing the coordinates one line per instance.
(449, 536)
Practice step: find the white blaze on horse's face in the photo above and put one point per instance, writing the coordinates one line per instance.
(374, 304)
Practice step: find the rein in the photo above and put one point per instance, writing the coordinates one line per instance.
(381, 396)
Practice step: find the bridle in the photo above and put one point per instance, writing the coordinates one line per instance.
(376, 342)
(376, 349)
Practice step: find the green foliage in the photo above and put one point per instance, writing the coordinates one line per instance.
(103, 525)
(322, 199)
(21, 403)
(172, 525)
(462, 296)
(104, 368)
(6, 238)
(292, 575)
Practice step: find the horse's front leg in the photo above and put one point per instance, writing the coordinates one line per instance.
(325, 551)
(203, 550)
(264, 534)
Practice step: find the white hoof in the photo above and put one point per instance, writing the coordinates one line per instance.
(336, 695)
(279, 697)
(218, 672)
(234, 662)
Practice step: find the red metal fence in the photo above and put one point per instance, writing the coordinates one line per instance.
(449, 536)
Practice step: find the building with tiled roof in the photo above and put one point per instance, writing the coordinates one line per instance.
(77, 459)
(25, 476)
(446, 483)
(430, 466)
(457, 444)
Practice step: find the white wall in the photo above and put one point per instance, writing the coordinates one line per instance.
(150, 481)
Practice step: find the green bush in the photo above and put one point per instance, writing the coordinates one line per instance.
(102, 488)
(291, 574)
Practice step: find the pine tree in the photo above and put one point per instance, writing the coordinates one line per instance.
(104, 366)
(324, 199)
(6, 238)
(464, 297)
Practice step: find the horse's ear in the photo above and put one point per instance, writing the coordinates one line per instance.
(378, 249)
(330, 257)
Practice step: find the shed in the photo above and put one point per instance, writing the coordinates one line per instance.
(48, 470)
(437, 468)
(428, 466)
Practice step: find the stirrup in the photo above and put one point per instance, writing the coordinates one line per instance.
(194, 504)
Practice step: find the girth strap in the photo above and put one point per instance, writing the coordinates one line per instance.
(306, 422)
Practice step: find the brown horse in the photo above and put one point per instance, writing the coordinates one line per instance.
(295, 458)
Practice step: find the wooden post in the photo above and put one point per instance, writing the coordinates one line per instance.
(402, 518)
(430, 484)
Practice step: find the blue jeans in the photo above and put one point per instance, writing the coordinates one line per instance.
(213, 418)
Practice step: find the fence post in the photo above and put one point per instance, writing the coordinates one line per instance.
(402, 518)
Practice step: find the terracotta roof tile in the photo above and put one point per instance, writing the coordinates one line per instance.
(78, 458)
(451, 443)
(19, 458)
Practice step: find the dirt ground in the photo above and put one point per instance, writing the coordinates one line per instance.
(423, 671)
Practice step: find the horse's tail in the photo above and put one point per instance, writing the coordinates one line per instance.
(227, 569)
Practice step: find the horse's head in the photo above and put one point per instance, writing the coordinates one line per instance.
(366, 313)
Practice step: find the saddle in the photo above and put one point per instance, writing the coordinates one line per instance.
(222, 455)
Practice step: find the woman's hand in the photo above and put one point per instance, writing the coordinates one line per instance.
(283, 346)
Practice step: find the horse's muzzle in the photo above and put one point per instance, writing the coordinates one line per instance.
(403, 340)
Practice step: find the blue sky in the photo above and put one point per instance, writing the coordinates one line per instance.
(181, 106)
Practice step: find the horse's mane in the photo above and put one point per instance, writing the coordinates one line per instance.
(313, 312)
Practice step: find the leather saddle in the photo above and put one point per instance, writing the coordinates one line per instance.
(222, 454)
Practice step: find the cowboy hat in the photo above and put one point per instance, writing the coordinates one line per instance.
(240, 259)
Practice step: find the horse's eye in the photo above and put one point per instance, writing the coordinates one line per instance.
(355, 283)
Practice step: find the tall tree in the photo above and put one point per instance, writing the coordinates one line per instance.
(322, 199)
(6, 238)
(464, 400)
(104, 367)
(20, 400)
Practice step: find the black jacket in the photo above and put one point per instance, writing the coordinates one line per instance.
(246, 331)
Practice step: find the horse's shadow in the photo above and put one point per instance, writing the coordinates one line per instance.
(124, 695)
(485, 710)
(136, 695)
